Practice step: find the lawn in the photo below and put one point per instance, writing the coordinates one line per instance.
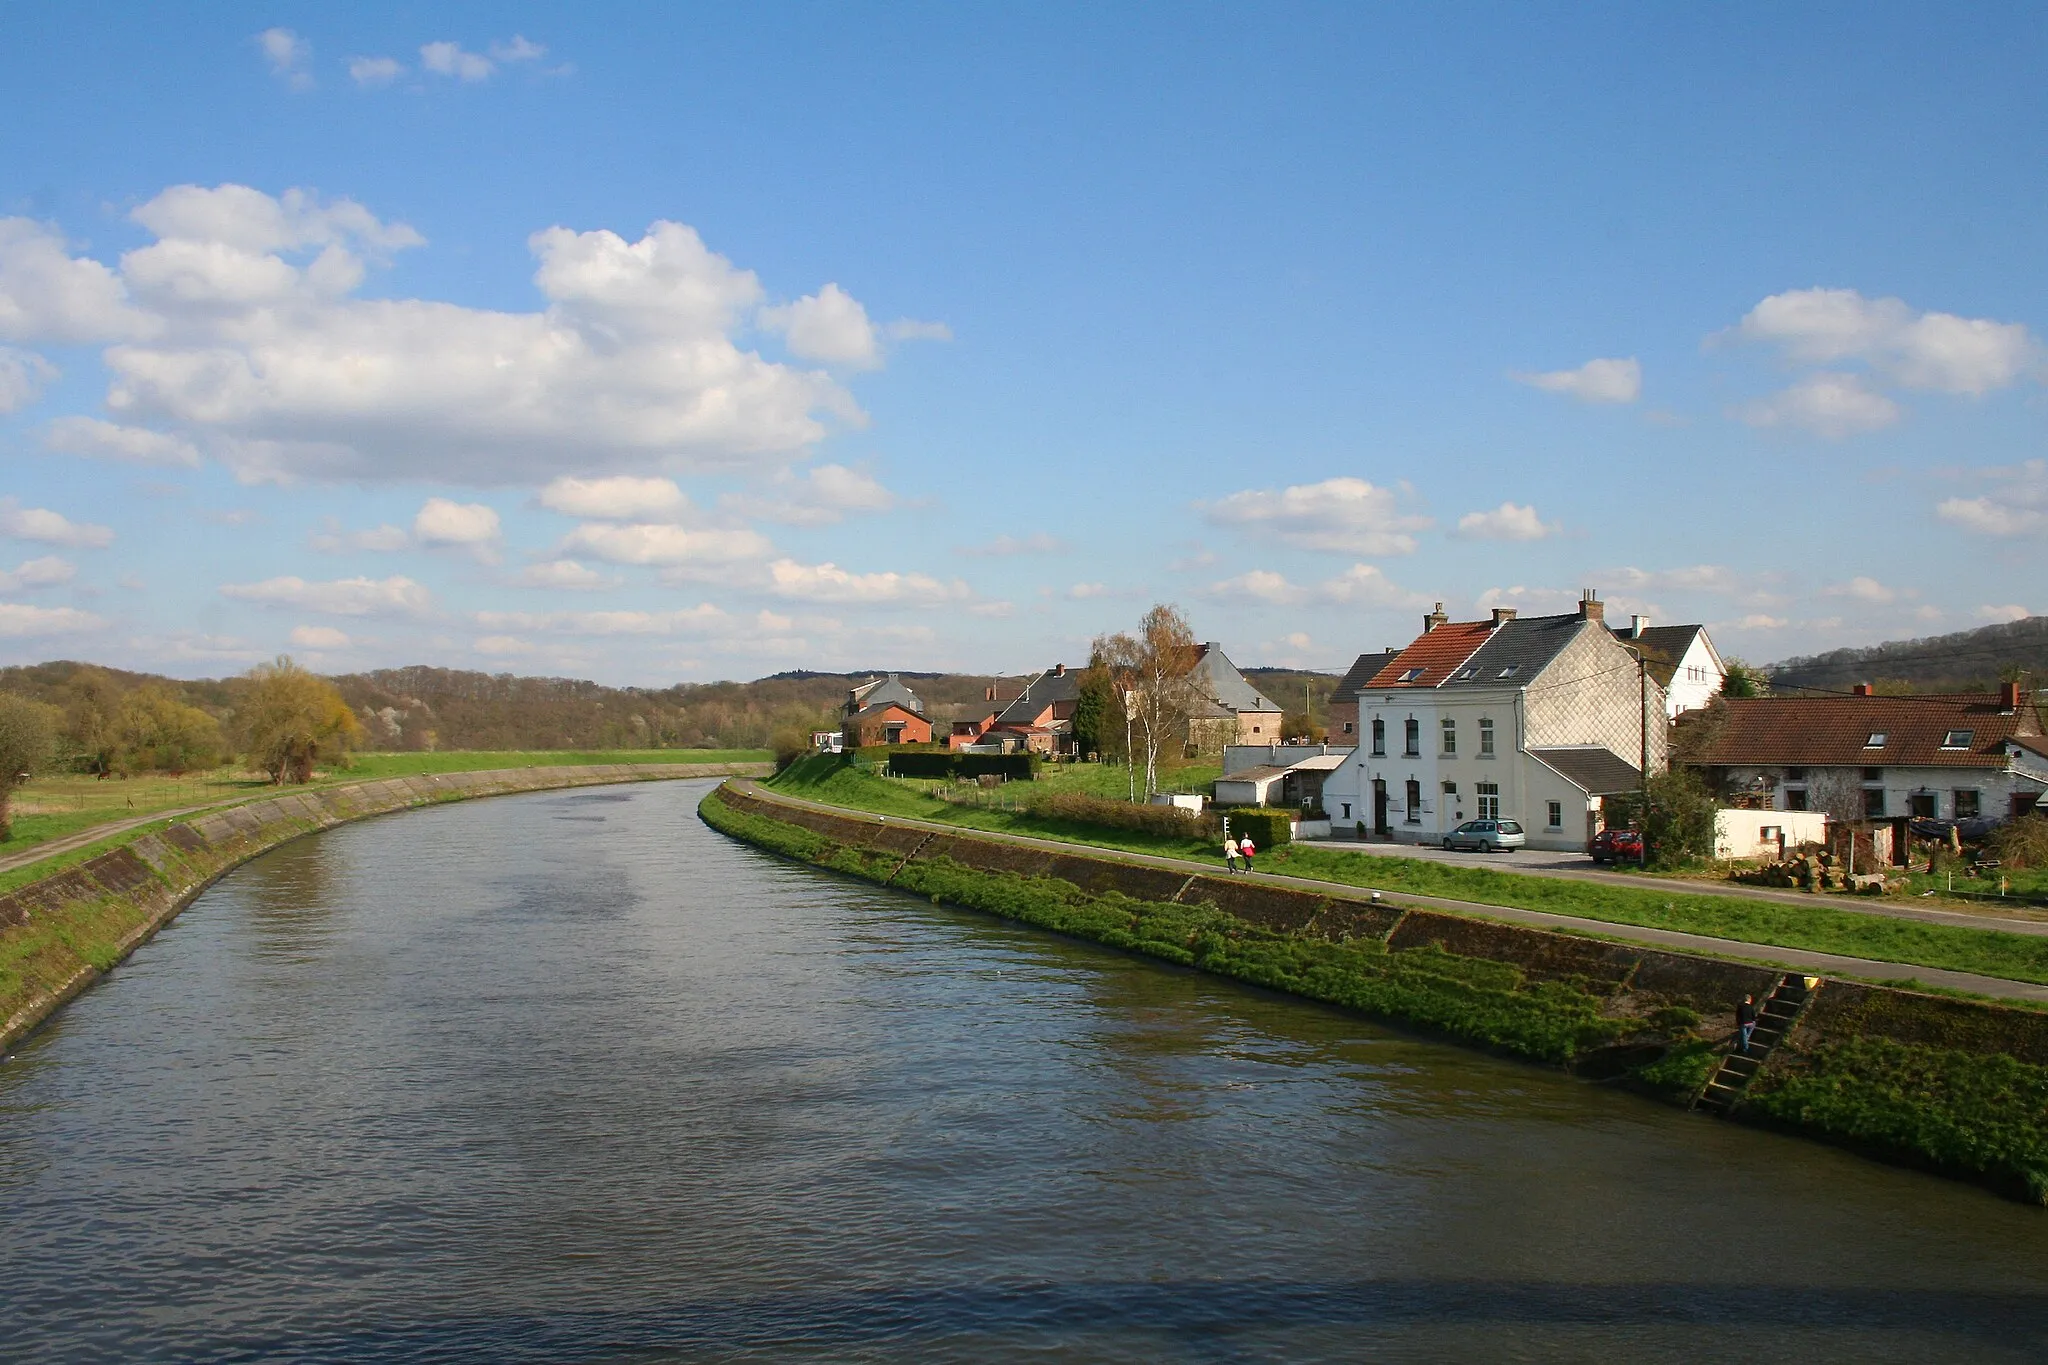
(1818, 928)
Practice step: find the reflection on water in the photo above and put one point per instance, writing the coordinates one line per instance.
(571, 1077)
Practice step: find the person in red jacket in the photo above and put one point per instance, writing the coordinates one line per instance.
(1245, 850)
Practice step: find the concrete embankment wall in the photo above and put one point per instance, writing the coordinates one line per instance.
(1956, 1086)
(78, 923)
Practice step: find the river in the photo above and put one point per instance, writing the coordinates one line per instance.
(569, 1076)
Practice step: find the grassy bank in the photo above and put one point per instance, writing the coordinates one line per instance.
(1473, 1000)
(1819, 928)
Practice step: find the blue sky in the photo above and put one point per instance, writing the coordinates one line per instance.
(665, 343)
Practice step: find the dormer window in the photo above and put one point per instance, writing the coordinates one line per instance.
(1876, 741)
(1510, 671)
(1958, 739)
(1411, 675)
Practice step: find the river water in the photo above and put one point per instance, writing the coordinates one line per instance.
(570, 1077)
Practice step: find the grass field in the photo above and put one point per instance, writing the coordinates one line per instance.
(57, 806)
(1819, 928)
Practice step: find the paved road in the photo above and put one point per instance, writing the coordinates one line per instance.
(1818, 963)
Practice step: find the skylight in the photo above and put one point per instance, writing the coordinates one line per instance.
(1471, 672)
(1958, 739)
(1876, 740)
(1510, 670)
(1411, 675)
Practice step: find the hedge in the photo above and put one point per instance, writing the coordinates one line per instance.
(1268, 827)
(927, 763)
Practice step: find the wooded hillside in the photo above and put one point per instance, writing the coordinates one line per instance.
(1967, 661)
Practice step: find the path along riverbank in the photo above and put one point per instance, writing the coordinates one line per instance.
(60, 934)
(1953, 1085)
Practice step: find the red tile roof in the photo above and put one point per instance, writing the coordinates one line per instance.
(1836, 731)
(1438, 653)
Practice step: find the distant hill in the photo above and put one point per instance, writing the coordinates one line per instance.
(1967, 661)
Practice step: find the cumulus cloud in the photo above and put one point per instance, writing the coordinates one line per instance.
(1509, 521)
(701, 619)
(287, 55)
(517, 48)
(1935, 351)
(370, 72)
(1004, 546)
(98, 439)
(910, 329)
(1533, 601)
(1361, 585)
(1828, 404)
(384, 539)
(1709, 578)
(830, 583)
(394, 596)
(449, 59)
(23, 377)
(46, 572)
(818, 497)
(2011, 611)
(828, 326)
(564, 573)
(465, 525)
(319, 637)
(1863, 589)
(663, 543)
(2019, 509)
(52, 528)
(619, 498)
(1345, 514)
(1596, 381)
(21, 622)
(240, 324)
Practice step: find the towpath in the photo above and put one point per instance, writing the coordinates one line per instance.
(1820, 964)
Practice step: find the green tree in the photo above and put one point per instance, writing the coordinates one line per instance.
(1677, 820)
(1095, 708)
(291, 719)
(91, 725)
(157, 732)
(28, 740)
(1745, 680)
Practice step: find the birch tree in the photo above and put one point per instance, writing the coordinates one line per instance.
(1165, 690)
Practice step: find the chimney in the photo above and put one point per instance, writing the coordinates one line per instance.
(1861, 689)
(2009, 696)
(1502, 615)
(1636, 626)
(1591, 607)
(1434, 619)
(1059, 670)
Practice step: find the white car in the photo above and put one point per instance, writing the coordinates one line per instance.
(1486, 836)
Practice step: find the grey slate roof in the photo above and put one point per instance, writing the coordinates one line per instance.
(1361, 673)
(1526, 644)
(880, 692)
(1220, 681)
(1600, 772)
(1662, 646)
(1041, 692)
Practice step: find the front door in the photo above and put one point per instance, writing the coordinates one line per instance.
(1379, 807)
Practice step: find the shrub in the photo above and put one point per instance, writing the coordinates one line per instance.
(2021, 842)
(789, 744)
(1678, 823)
(944, 763)
(1268, 828)
(1167, 821)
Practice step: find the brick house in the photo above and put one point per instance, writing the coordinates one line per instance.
(883, 711)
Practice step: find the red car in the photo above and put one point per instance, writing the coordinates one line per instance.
(1616, 846)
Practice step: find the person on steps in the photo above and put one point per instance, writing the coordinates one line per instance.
(1245, 850)
(1230, 852)
(1745, 1021)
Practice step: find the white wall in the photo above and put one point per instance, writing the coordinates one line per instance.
(1741, 833)
(1994, 788)
(1698, 679)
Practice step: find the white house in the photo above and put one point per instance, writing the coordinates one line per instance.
(1682, 660)
(1535, 719)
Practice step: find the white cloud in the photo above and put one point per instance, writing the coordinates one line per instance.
(660, 543)
(395, 596)
(1342, 514)
(563, 573)
(46, 572)
(384, 539)
(619, 498)
(319, 637)
(465, 525)
(503, 646)
(1535, 601)
(1828, 404)
(52, 528)
(239, 324)
(2020, 509)
(818, 497)
(97, 439)
(517, 49)
(702, 619)
(1262, 584)
(1863, 589)
(1938, 351)
(1004, 546)
(1509, 521)
(830, 583)
(24, 622)
(1758, 621)
(1710, 578)
(287, 55)
(910, 329)
(2011, 611)
(1596, 381)
(370, 72)
(449, 59)
(23, 377)
(1361, 585)
(829, 325)
(1084, 592)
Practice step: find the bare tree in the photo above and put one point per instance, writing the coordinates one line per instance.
(1118, 657)
(1165, 691)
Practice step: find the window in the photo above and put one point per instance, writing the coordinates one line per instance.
(1876, 740)
(1411, 675)
(1510, 827)
(1795, 798)
(1379, 737)
(1347, 810)
(1414, 799)
(1411, 736)
(1486, 739)
(1957, 739)
(1450, 789)
(1255, 729)
(1554, 813)
(1873, 803)
(1920, 805)
(1873, 774)
(1347, 727)
(1450, 738)
(1969, 803)
(1468, 672)
(1509, 671)
(1795, 774)
(1489, 801)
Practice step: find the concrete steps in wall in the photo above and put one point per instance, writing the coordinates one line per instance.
(1776, 1018)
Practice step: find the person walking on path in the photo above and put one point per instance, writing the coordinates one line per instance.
(1745, 1021)
(1230, 852)
(1245, 850)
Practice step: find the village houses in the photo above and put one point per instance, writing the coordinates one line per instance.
(883, 711)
